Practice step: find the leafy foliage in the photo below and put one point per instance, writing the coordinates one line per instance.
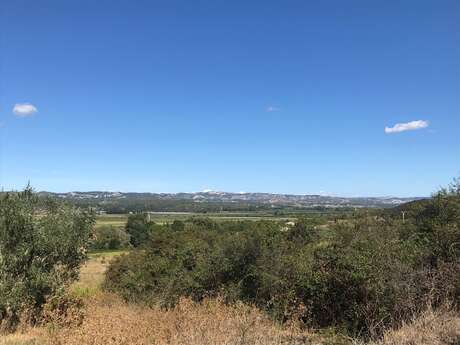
(109, 237)
(358, 274)
(138, 228)
(42, 244)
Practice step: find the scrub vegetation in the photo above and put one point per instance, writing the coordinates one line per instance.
(360, 275)
(367, 277)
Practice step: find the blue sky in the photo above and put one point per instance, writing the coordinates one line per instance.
(275, 96)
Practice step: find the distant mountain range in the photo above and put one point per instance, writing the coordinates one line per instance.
(226, 197)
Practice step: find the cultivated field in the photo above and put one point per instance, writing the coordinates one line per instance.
(119, 220)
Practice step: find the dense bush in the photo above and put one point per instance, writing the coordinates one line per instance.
(108, 237)
(138, 228)
(42, 244)
(360, 274)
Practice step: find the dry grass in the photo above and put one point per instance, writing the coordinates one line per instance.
(92, 273)
(31, 337)
(441, 327)
(110, 321)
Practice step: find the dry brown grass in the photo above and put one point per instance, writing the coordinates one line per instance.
(31, 337)
(92, 273)
(441, 327)
(110, 321)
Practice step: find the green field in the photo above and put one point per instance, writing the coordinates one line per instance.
(119, 220)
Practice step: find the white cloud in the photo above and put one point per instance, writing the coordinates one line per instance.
(409, 126)
(24, 109)
(271, 108)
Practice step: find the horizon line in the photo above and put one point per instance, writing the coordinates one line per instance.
(229, 192)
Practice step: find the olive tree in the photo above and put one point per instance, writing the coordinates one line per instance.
(42, 244)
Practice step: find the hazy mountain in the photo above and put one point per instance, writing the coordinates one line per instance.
(227, 197)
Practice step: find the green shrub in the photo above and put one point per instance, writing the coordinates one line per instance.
(138, 228)
(42, 244)
(108, 237)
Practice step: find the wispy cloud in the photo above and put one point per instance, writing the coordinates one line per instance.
(24, 109)
(271, 108)
(408, 126)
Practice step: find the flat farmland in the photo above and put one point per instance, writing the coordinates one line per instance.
(119, 220)
(116, 220)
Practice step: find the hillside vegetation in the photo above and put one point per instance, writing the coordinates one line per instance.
(361, 275)
(368, 277)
